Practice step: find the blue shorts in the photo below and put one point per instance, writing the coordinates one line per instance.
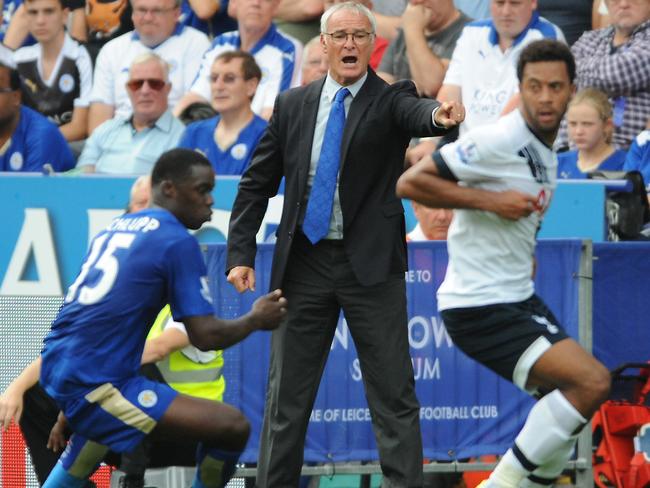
(119, 415)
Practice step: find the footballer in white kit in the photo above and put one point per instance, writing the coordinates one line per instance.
(500, 180)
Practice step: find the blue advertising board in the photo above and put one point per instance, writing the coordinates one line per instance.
(466, 410)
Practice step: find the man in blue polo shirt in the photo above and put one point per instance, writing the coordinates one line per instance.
(229, 139)
(28, 141)
(277, 54)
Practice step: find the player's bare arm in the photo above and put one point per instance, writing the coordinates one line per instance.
(423, 184)
(209, 333)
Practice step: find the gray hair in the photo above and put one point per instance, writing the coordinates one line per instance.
(145, 57)
(353, 7)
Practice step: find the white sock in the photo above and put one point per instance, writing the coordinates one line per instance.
(550, 427)
(546, 474)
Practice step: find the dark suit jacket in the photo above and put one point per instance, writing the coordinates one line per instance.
(379, 125)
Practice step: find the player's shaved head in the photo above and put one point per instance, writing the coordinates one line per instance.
(176, 165)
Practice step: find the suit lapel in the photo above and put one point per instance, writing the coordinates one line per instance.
(309, 110)
(360, 104)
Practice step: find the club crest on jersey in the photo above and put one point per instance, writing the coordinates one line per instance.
(239, 151)
(16, 161)
(466, 152)
(66, 83)
(147, 398)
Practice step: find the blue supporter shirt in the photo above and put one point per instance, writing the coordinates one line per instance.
(567, 164)
(219, 23)
(36, 141)
(140, 262)
(638, 157)
(234, 160)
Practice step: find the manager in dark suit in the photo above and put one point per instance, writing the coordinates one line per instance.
(340, 245)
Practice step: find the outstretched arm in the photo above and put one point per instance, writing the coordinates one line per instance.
(423, 184)
(209, 333)
(11, 401)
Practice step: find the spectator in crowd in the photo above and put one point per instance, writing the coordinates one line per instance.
(56, 73)
(314, 61)
(573, 17)
(28, 141)
(156, 30)
(209, 16)
(381, 43)
(638, 157)
(433, 223)
(424, 45)
(481, 73)
(590, 124)
(277, 55)
(616, 60)
(131, 145)
(229, 139)
(324, 266)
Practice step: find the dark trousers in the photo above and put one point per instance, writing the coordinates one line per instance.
(39, 416)
(319, 282)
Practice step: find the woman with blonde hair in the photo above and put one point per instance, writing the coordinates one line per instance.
(590, 124)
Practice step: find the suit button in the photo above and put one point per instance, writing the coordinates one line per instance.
(298, 204)
(290, 235)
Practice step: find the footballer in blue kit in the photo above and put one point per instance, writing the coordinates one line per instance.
(91, 357)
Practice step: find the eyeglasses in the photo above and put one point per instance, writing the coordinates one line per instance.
(155, 12)
(154, 84)
(228, 78)
(360, 38)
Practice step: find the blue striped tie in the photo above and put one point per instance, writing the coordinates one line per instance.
(319, 207)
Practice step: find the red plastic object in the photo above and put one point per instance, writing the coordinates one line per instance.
(614, 426)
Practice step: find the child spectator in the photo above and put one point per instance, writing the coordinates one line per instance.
(590, 130)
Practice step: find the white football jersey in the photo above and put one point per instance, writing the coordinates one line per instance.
(491, 258)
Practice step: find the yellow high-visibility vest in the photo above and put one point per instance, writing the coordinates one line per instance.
(203, 379)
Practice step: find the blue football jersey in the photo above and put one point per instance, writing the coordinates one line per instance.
(234, 160)
(134, 267)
